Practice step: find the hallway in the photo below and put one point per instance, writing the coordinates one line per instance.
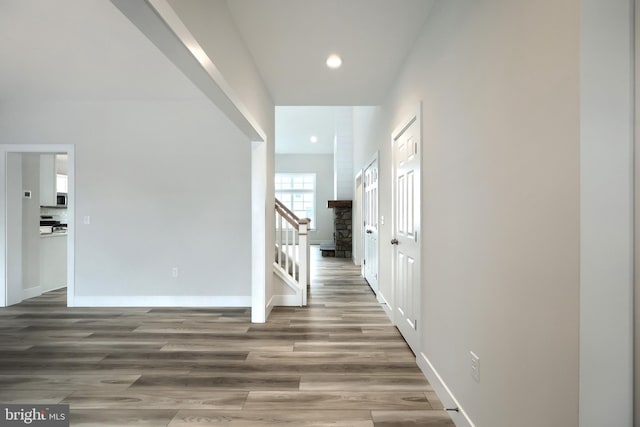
(337, 362)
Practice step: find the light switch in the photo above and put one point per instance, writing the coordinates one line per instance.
(382, 220)
(87, 220)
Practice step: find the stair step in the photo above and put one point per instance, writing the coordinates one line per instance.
(328, 249)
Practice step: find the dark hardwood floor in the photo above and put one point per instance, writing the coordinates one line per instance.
(337, 362)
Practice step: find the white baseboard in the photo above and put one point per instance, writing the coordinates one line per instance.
(460, 418)
(161, 301)
(35, 291)
(44, 291)
(269, 308)
(286, 300)
(385, 305)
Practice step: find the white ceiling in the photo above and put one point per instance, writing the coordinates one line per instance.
(296, 125)
(83, 49)
(291, 39)
(86, 49)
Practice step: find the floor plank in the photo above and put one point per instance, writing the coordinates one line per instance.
(338, 400)
(159, 398)
(126, 417)
(336, 362)
(411, 419)
(273, 418)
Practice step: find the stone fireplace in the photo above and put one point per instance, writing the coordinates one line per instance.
(342, 229)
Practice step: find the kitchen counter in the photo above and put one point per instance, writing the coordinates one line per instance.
(53, 261)
(53, 234)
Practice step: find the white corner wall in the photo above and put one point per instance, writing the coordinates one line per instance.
(606, 212)
(499, 83)
(212, 25)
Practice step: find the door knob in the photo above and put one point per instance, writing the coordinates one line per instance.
(394, 241)
(369, 232)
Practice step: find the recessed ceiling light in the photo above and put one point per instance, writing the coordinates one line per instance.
(334, 61)
(314, 139)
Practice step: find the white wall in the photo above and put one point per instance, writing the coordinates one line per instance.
(149, 175)
(606, 213)
(499, 85)
(31, 223)
(170, 203)
(212, 25)
(343, 154)
(366, 135)
(636, 195)
(322, 166)
(14, 229)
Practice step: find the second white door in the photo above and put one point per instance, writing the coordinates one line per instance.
(371, 225)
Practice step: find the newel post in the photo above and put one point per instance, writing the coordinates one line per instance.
(304, 270)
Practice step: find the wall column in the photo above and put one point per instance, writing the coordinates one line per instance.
(606, 213)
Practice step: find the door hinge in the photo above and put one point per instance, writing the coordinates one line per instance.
(364, 262)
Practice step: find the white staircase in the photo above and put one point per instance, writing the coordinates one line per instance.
(292, 251)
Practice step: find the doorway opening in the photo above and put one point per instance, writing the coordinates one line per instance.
(37, 199)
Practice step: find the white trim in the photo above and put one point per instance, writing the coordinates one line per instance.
(636, 206)
(259, 206)
(461, 418)
(36, 291)
(38, 148)
(286, 278)
(162, 301)
(286, 301)
(270, 306)
(292, 284)
(385, 305)
(32, 292)
(159, 22)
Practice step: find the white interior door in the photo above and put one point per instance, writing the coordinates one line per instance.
(406, 243)
(357, 222)
(371, 225)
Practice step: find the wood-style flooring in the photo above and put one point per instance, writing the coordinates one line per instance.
(337, 362)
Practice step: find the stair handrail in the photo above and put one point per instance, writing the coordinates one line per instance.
(295, 267)
(290, 216)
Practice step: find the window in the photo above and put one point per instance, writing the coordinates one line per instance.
(297, 191)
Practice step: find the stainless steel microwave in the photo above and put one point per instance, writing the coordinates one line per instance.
(61, 199)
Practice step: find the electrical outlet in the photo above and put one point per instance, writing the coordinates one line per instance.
(475, 366)
(174, 272)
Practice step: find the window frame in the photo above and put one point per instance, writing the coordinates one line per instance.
(293, 190)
